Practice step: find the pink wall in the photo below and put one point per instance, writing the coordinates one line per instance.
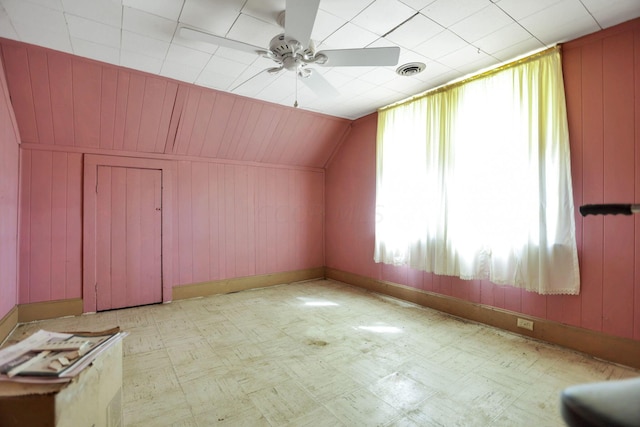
(249, 186)
(233, 220)
(67, 101)
(9, 140)
(602, 78)
(239, 220)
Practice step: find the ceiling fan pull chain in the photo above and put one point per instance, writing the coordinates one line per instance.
(295, 104)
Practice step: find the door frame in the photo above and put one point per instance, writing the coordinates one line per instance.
(89, 221)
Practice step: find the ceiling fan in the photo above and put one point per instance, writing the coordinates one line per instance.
(294, 50)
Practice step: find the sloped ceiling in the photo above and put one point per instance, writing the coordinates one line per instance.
(452, 37)
(65, 100)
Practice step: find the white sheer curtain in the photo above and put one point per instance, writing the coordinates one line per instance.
(474, 180)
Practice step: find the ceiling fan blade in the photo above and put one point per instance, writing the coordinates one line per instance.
(319, 85)
(361, 57)
(193, 34)
(300, 15)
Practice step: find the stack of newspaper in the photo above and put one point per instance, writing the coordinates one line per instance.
(52, 356)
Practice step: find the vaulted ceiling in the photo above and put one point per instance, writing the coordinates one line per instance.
(75, 104)
(452, 37)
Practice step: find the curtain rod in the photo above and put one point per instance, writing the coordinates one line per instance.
(474, 77)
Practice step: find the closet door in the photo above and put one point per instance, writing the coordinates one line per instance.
(128, 237)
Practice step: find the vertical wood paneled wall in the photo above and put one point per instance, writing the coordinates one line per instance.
(239, 220)
(602, 80)
(9, 140)
(234, 220)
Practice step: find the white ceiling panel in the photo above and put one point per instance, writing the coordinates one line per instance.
(214, 16)
(140, 62)
(106, 12)
(134, 42)
(448, 12)
(349, 36)
(169, 9)
(480, 24)
(382, 16)
(96, 51)
(565, 17)
(415, 31)
(452, 37)
(86, 29)
(140, 22)
(253, 31)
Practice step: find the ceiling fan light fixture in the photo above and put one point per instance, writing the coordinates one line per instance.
(410, 69)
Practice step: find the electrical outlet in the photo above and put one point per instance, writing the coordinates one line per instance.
(525, 324)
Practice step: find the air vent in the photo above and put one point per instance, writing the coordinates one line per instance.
(410, 69)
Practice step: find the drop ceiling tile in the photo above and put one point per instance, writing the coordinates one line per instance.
(519, 9)
(33, 15)
(97, 51)
(169, 9)
(448, 12)
(563, 21)
(378, 75)
(519, 49)
(461, 57)
(440, 45)
(225, 67)
(106, 12)
(134, 42)
(435, 70)
(179, 71)
(253, 31)
(325, 25)
(214, 80)
(414, 32)
(6, 27)
(51, 4)
(92, 31)
(216, 17)
(149, 25)
(383, 15)
(481, 23)
(238, 56)
(265, 10)
(35, 34)
(611, 12)
(140, 62)
(349, 36)
(344, 9)
(417, 4)
(503, 38)
(189, 57)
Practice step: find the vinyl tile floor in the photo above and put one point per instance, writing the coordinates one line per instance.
(322, 353)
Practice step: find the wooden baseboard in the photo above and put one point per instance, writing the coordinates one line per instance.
(8, 322)
(608, 347)
(49, 310)
(226, 286)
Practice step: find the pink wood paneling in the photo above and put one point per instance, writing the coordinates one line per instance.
(9, 178)
(16, 65)
(618, 124)
(128, 237)
(61, 96)
(50, 226)
(87, 93)
(130, 228)
(240, 220)
(70, 101)
(587, 105)
(602, 83)
(39, 67)
(636, 292)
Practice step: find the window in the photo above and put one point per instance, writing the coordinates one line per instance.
(474, 180)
